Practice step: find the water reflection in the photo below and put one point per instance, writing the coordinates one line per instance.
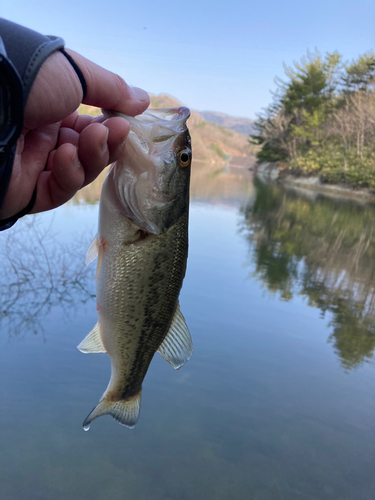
(323, 250)
(227, 185)
(39, 273)
(262, 410)
(217, 183)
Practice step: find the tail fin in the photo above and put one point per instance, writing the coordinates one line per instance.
(125, 411)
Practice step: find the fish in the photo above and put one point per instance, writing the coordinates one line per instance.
(141, 248)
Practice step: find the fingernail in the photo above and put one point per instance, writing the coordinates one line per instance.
(140, 94)
(75, 159)
(103, 144)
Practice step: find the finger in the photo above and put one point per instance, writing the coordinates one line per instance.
(32, 152)
(70, 120)
(97, 148)
(49, 165)
(56, 187)
(57, 91)
(99, 119)
(68, 135)
(37, 145)
(82, 122)
(55, 94)
(118, 131)
(78, 122)
(108, 90)
(93, 150)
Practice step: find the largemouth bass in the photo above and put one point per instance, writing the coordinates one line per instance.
(142, 248)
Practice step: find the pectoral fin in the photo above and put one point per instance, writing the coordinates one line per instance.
(92, 342)
(92, 251)
(96, 250)
(177, 347)
(100, 260)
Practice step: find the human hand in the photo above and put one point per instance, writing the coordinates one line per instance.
(60, 151)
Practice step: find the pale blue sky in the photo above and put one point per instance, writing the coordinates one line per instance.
(211, 55)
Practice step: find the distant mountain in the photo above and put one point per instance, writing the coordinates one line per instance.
(240, 125)
(212, 142)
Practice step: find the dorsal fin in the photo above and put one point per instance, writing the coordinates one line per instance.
(177, 347)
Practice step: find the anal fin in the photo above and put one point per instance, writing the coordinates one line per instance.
(92, 342)
(177, 347)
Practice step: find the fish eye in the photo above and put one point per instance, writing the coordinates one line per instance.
(184, 157)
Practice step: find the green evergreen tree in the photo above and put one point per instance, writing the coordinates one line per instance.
(322, 119)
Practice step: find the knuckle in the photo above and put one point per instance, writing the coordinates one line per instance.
(122, 89)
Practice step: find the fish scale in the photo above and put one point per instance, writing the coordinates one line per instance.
(153, 316)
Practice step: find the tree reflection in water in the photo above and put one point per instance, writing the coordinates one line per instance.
(39, 273)
(324, 250)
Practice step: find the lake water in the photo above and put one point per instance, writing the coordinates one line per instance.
(278, 400)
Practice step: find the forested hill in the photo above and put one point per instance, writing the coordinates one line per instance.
(322, 119)
(212, 143)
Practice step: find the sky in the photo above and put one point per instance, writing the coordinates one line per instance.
(210, 55)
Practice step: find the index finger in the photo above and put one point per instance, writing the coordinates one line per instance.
(108, 90)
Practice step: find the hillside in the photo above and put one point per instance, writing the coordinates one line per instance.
(212, 143)
(216, 153)
(240, 125)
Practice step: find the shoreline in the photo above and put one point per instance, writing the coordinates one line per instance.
(270, 172)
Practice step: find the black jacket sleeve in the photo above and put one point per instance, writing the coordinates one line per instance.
(26, 50)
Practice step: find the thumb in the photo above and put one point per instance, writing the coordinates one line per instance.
(108, 90)
(57, 91)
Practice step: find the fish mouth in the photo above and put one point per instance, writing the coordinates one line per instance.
(180, 113)
(154, 139)
(156, 131)
(163, 114)
(155, 125)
